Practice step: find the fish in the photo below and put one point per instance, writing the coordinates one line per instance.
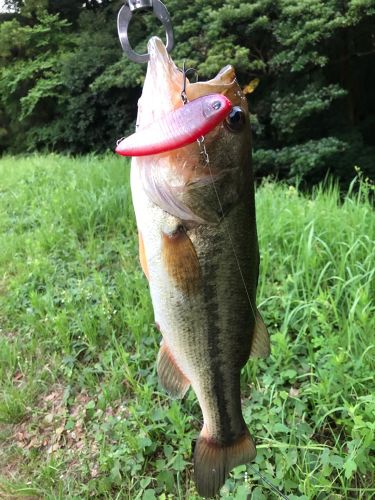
(198, 248)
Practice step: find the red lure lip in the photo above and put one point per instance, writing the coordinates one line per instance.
(177, 128)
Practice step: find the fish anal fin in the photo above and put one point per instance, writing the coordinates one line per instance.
(260, 346)
(142, 255)
(181, 260)
(213, 462)
(170, 375)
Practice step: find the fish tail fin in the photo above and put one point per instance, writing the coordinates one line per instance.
(213, 462)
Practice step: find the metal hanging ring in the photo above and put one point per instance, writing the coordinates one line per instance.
(159, 10)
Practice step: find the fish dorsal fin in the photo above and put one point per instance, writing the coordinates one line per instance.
(170, 375)
(260, 347)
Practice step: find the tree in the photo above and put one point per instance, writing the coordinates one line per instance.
(304, 53)
(312, 112)
(30, 78)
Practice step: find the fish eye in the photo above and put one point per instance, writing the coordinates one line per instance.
(216, 105)
(236, 120)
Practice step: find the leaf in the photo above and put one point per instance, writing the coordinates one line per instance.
(278, 427)
(70, 424)
(115, 473)
(292, 457)
(336, 461)
(168, 451)
(149, 495)
(144, 442)
(243, 492)
(238, 472)
(144, 482)
(179, 463)
(289, 374)
(257, 494)
(349, 467)
(325, 457)
(250, 87)
(90, 405)
(165, 478)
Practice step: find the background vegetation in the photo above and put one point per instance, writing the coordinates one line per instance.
(81, 412)
(65, 85)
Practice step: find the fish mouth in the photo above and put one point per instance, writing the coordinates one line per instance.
(162, 86)
(164, 83)
(172, 112)
(168, 178)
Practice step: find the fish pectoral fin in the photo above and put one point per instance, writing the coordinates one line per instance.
(181, 261)
(260, 347)
(142, 255)
(213, 462)
(170, 375)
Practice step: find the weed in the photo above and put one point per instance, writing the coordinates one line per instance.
(81, 410)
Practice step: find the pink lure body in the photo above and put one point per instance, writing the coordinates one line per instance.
(177, 128)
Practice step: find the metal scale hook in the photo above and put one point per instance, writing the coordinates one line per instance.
(125, 14)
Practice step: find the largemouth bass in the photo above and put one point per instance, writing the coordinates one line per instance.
(198, 249)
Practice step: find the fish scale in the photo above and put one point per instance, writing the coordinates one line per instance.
(198, 241)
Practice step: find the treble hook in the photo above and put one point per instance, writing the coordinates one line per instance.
(185, 73)
(125, 14)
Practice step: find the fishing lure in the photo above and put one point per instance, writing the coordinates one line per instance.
(178, 128)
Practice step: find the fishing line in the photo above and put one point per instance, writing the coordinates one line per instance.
(201, 144)
(228, 233)
(203, 152)
(206, 158)
(272, 486)
(268, 482)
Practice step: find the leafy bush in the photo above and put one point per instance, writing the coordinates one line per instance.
(65, 84)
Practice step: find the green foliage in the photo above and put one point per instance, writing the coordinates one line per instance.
(93, 116)
(300, 160)
(30, 83)
(81, 410)
(65, 84)
(289, 111)
(312, 59)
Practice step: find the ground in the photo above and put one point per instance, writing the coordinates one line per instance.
(81, 411)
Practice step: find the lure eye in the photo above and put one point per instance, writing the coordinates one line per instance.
(236, 120)
(216, 105)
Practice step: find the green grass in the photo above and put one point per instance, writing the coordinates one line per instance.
(81, 411)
